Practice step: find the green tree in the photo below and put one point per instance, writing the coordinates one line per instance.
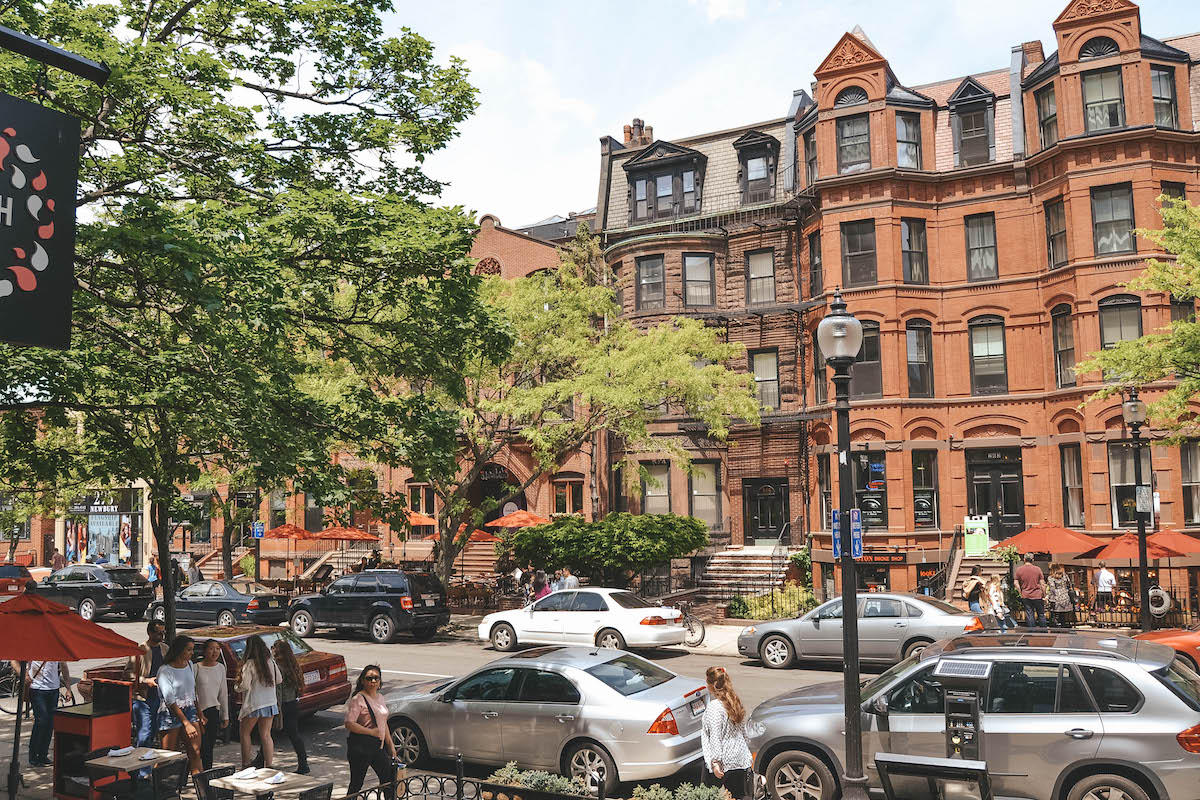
(575, 370)
(611, 550)
(250, 187)
(1172, 353)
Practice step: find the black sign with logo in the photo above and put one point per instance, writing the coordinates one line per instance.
(39, 164)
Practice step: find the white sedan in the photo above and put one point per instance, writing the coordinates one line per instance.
(604, 617)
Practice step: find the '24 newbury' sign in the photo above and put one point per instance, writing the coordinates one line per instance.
(39, 162)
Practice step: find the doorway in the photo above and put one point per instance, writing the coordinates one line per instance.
(995, 487)
(766, 511)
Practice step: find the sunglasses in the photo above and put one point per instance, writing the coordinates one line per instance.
(372, 678)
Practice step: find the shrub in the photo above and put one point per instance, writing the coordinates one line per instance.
(786, 603)
(686, 791)
(738, 608)
(538, 780)
(246, 564)
(802, 559)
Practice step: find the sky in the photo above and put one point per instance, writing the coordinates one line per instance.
(553, 77)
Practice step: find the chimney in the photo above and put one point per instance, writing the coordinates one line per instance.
(649, 133)
(1033, 52)
(628, 134)
(637, 130)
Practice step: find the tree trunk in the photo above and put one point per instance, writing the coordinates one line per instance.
(593, 474)
(12, 544)
(227, 537)
(159, 513)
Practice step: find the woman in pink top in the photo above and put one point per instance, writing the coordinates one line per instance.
(369, 744)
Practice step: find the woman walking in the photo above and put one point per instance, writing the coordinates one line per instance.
(541, 585)
(212, 696)
(1058, 591)
(256, 679)
(287, 691)
(723, 736)
(995, 591)
(178, 719)
(972, 589)
(369, 744)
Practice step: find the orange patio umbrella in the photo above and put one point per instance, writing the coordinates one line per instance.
(1175, 540)
(342, 534)
(288, 531)
(1125, 548)
(1044, 538)
(417, 519)
(476, 535)
(517, 519)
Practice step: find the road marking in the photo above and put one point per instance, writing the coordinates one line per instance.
(410, 672)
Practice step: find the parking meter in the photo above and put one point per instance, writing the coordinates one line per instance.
(963, 684)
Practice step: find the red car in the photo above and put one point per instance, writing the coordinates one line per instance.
(1185, 641)
(13, 578)
(326, 683)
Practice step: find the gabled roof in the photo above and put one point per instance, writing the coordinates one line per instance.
(1150, 47)
(995, 82)
(753, 138)
(1153, 48)
(850, 52)
(662, 152)
(969, 91)
(901, 95)
(1089, 9)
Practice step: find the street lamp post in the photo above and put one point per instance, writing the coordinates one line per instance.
(840, 336)
(1134, 412)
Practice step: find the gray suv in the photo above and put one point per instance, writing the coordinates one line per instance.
(1063, 716)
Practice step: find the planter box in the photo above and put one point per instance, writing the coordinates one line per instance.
(500, 791)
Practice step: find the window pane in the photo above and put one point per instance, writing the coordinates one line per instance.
(663, 186)
(1022, 688)
(656, 499)
(1064, 349)
(1121, 479)
(756, 169)
(820, 387)
(761, 270)
(1189, 454)
(870, 488)
(1047, 116)
(816, 278)
(988, 365)
(920, 361)
(1072, 485)
(1162, 82)
(858, 253)
(1103, 107)
(973, 147)
(925, 500)
(766, 376)
(705, 503)
(1120, 323)
(866, 376)
(854, 145)
(913, 251)
(981, 248)
(1113, 694)
(697, 274)
(1056, 233)
(650, 283)
(908, 141)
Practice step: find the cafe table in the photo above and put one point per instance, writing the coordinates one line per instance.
(133, 762)
(258, 786)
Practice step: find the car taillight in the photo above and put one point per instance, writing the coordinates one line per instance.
(252, 605)
(697, 690)
(973, 625)
(406, 603)
(109, 585)
(338, 669)
(655, 621)
(665, 724)
(1190, 739)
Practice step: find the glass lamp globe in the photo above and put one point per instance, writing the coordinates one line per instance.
(839, 333)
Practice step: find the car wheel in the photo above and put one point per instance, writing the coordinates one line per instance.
(777, 652)
(302, 624)
(592, 764)
(225, 619)
(410, 743)
(797, 775)
(158, 613)
(1107, 787)
(912, 648)
(87, 609)
(503, 637)
(423, 634)
(382, 628)
(610, 639)
(134, 614)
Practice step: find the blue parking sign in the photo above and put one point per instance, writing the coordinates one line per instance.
(837, 534)
(856, 536)
(257, 529)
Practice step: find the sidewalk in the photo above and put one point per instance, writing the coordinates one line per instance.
(719, 640)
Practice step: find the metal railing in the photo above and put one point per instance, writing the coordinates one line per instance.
(940, 580)
(439, 786)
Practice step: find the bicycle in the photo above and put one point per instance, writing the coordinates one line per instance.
(693, 625)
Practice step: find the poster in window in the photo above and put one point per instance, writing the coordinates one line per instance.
(102, 536)
(924, 508)
(125, 545)
(72, 541)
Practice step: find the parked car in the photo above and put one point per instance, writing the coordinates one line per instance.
(326, 683)
(601, 715)
(890, 627)
(97, 589)
(1063, 716)
(605, 617)
(226, 603)
(382, 602)
(1185, 641)
(13, 578)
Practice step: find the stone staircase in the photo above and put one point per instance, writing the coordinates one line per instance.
(340, 560)
(732, 571)
(478, 560)
(987, 568)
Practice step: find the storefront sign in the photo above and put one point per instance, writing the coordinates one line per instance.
(883, 558)
(107, 501)
(39, 162)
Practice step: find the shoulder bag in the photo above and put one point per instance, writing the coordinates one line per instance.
(360, 744)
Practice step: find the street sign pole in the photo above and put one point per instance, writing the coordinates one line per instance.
(256, 530)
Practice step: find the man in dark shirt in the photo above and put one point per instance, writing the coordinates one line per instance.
(1029, 583)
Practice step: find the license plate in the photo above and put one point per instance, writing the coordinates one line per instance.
(429, 602)
(311, 678)
(272, 604)
(134, 592)
(697, 706)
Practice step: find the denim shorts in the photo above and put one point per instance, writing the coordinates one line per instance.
(269, 711)
(168, 721)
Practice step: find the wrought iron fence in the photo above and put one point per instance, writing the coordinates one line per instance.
(439, 786)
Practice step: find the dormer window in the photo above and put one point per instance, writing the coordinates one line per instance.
(758, 154)
(664, 182)
(973, 122)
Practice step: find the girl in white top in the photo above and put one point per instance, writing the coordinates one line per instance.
(723, 736)
(177, 688)
(212, 696)
(256, 679)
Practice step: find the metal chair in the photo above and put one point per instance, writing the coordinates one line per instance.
(206, 791)
(322, 792)
(169, 779)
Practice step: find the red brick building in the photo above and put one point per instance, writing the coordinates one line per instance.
(981, 228)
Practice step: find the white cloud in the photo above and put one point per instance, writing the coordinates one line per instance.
(722, 9)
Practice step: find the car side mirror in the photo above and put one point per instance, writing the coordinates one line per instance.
(448, 697)
(878, 706)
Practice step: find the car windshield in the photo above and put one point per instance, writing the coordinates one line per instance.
(872, 686)
(629, 674)
(630, 600)
(1181, 680)
(941, 605)
(298, 646)
(125, 577)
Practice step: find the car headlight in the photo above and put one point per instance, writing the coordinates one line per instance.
(747, 631)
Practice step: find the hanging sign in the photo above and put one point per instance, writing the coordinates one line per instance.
(39, 164)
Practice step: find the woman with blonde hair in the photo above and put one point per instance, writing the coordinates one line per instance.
(724, 734)
(995, 588)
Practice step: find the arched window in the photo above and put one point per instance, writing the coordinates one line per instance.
(989, 366)
(866, 375)
(918, 335)
(1120, 319)
(851, 96)
(1099, 47)
(1064, 345)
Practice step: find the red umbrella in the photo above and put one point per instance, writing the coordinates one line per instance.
(1175, 541)
(417, 519)
(1125, 548)
(36, 629)
(476, 536)
(517, 519)
(340, 534)
(287, 531)
(1043, 538)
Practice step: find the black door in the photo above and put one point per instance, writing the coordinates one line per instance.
(996, 488)
(359, 602)
(767, 510)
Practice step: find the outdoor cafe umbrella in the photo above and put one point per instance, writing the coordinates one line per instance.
(517, 519)
(476, 535)
(1043, 538)
(1125, 548)
(340, 534)
(290, 532)
(37, 629)
(417, 519)
(1188, 545)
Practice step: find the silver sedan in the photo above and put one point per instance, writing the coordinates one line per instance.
(891, 627)
(599, 714)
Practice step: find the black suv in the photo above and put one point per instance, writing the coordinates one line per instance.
(379, 601)
(95, 589)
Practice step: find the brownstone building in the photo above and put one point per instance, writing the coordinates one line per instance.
(981, 227)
